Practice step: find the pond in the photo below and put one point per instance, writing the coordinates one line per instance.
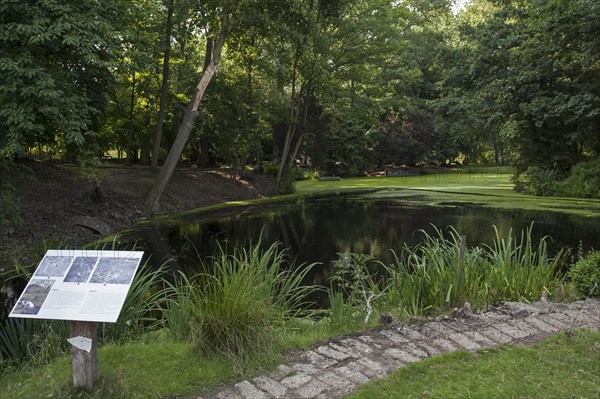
(316, 229)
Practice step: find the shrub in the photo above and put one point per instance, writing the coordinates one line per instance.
(583, 182)
(287, 185)
(542, 182)
(586, 273)
(359, 286)
(309, 174)
(270, 168)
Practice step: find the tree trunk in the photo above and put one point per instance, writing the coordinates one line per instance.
(131, 119)
(191, 113)
(294, 153)
(164, 88)
(283, 162)
(145, 151)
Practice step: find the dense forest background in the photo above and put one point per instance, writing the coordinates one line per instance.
(340, 86)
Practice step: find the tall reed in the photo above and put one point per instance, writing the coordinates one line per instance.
(432, 276)
(142, 307)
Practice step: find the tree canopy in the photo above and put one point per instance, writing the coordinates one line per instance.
(337, 85)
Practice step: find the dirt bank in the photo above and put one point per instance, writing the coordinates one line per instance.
(63, 206)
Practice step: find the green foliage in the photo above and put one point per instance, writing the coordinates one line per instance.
(270, 168)
(287, 185)
(55, 72)
(310, 174)
(355, 276)
(238, 309)
(349, 152)
(505, 84)
(31, 340)
(585, 275)
(537, 181)
(15, 335)
(432, 277)
(340, 312)
(141, 308)
(583, 181)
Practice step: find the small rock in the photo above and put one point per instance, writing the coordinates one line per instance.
(467, 311)
(385, 318)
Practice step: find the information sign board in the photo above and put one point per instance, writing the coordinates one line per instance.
(79, 285)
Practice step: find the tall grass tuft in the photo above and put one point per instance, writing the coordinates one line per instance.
(432, 276)
(15, 336)
(32, 340)
(237, 308)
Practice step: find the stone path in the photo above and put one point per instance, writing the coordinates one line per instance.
(338, 367)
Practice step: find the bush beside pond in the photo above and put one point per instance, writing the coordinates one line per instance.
(583, 181)
(585, 275)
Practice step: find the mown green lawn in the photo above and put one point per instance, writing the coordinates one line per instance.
(481, 189)
(559, 367)
(134, 370)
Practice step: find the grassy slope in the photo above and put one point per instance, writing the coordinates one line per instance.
(556, 368)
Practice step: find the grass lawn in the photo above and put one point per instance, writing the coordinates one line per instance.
(556, 368)
(147, 370)
(559, 367)
(134, 370)
(491, 190)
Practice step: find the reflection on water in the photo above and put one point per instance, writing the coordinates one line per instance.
(315, 230)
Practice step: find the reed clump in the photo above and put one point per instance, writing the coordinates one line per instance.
(436, 275)
(441, 274)
(237, 308)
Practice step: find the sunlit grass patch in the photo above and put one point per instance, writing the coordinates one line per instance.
(559, 367)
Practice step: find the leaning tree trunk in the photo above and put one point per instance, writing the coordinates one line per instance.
(164, 89)
(191, 113)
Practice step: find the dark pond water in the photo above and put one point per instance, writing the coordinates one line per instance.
(316, 229)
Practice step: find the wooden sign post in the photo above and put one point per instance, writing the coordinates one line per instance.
(84, 341)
